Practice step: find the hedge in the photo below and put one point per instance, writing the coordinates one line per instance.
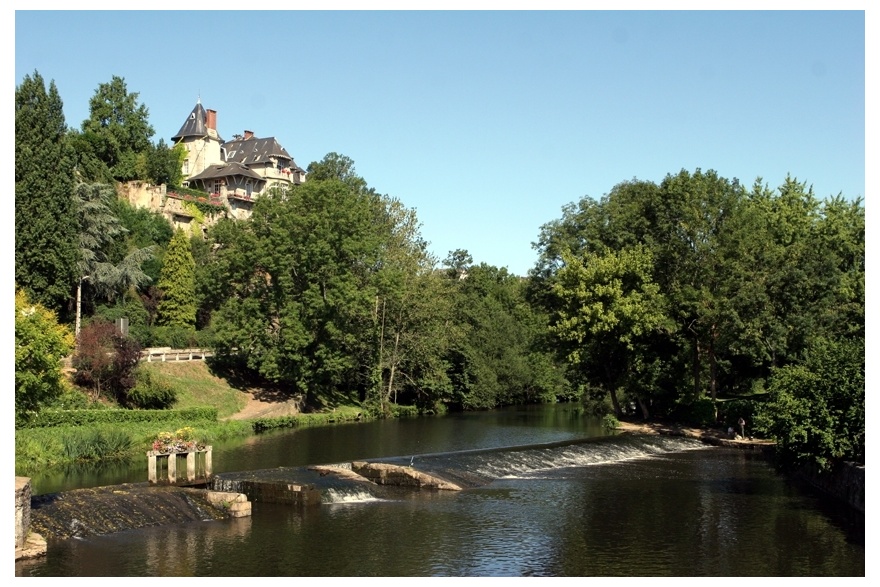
(51, 418)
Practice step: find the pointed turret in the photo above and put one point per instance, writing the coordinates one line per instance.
(200, 123)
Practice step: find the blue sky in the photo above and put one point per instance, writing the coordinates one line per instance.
(488, 123)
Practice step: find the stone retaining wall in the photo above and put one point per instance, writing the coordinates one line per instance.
(846, 483)
(299, 494)
(27, 543)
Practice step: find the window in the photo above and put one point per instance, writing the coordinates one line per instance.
(186, 166)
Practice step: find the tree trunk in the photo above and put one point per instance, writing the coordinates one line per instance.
(713, 366)
(393, 367)
(646, 415)
(615, 402)
(79, 287)
(612, 390)
(696, 367)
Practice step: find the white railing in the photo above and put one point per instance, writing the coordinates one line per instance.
(165, 354)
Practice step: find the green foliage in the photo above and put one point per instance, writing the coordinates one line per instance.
(610, 422)
(74, 399)
(45, 220)
(498, 359)
(177, 306)
(93, 444)
(91, 417)
(608, 312)
(118, 130)
(312, 419)
(297, 286)
(816, 409)
(753, 280)
(100, 229)
(176, 337)
(164, 164)
(701, 412)
(40, 344)
(151, 392)
(105, 360)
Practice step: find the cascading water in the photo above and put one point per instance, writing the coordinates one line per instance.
(468, 469)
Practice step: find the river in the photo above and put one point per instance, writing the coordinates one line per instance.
(549, 494)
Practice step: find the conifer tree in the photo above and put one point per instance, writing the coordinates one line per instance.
(177, 283)
(46, 251)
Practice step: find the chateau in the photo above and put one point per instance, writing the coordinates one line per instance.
(234, 173)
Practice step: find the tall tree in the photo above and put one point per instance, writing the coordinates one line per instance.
(45, 220)
(608, 312)
(177, 283)
(99, 228)
(118, 129)
(411, 315)
(497, 359)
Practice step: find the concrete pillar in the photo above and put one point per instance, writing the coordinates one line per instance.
(151, 467)
(190, 466)
(172, 468)
(208, 463)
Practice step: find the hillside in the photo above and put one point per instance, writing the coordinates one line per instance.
(198, 386)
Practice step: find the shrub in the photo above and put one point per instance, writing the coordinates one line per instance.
(40, 344)
(176, 337)
(610, 422)
(105, 360)
(56, 418)
(151, 392)
(701, 412)
(90, 444)
(73, 399)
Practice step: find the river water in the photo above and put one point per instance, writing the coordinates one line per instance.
(548, 493)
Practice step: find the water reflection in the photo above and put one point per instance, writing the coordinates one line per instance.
(555, 499)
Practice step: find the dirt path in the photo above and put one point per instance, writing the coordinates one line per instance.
(268, 404)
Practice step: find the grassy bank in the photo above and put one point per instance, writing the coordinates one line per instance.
(195, 386)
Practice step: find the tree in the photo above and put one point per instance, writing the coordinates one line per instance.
(106, 361)
(411, 316)
(816, 410)
(40, 344)
(609, 307)
(118, 129)
(45, 220)
(99, 227)
(177, 306)
(498, 357)
(164, 165)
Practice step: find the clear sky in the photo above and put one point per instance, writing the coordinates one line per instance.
(488, 122)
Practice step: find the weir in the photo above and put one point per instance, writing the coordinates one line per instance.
(110, 509)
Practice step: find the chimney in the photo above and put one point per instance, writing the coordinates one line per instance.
(248, 134)
(211, 119)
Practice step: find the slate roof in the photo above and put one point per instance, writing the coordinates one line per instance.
(225, 170)
(195, 124)
(254, 150)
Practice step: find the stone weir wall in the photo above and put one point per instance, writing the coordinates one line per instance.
(104, 510)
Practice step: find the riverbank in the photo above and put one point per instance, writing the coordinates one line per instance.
(845, 484)
(707, 435)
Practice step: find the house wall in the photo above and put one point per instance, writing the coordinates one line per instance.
(202, 153)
